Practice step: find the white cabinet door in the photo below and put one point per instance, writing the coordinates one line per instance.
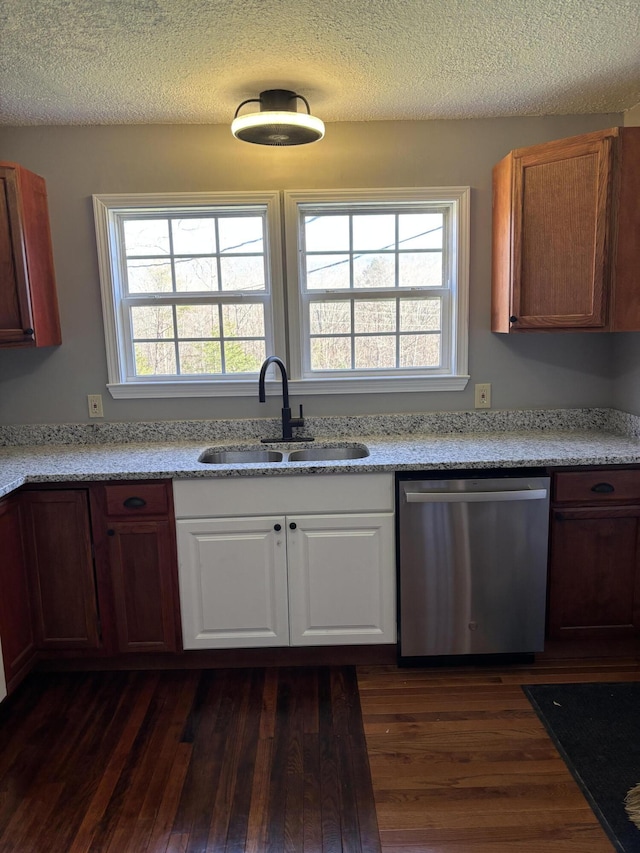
(341, 579)
(233, 582)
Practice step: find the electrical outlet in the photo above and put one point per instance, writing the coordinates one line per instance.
(95, 405)
(483, 395)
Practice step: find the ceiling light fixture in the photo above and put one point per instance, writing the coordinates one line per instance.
(277, 123)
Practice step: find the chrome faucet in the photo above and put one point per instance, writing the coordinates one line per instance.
(287, 421)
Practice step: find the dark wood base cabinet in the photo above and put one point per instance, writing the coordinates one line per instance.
(57, 534)
(88, 571)
(136, 566)
(16, 627)
(594, 567)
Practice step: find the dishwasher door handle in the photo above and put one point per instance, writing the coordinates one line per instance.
(475, 497)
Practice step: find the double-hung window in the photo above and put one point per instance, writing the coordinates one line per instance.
(191, 291)
(194, 287)
(380, 295)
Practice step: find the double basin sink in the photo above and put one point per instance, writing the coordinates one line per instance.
(242, 456)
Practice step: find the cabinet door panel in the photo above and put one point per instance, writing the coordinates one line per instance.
(141, 566)
(15, 309)
(28, 300)
(233, 582)
(341, 579)
(561, 201)
(58, 545)
(594, 573)
(553, 233)
(18, 645)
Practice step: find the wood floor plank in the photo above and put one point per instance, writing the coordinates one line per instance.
(92, 833)
(251, 761)
(460, 761)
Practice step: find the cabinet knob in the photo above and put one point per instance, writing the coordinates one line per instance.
(134, 503)
(603, 488)
(28, 331)
(293, 525)
(111, 533)
(277, 527)
(513, 319)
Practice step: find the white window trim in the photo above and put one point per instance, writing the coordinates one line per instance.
(106, 209)
(107, 205)
(457, 377)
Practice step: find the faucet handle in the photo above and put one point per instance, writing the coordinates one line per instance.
(301, 415)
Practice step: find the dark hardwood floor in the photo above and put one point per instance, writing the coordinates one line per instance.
(274, 760)
(460, 762)
(225, 761)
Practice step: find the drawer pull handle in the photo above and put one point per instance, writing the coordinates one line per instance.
(277, 527)
(603, 488)
(134, 503)
(293, 525)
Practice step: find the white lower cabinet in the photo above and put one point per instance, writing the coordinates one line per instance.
(341, 580)
(233, 582)
(275, 579)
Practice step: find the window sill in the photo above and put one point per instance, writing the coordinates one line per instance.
(299, 387)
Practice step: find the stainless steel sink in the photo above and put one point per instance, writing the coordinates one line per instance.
(239, 457)
(327, 454)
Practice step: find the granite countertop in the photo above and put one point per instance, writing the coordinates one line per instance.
(23, 463)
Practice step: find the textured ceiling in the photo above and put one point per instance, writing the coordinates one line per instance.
(193, 61)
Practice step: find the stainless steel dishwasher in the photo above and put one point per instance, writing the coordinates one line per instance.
(472, 565)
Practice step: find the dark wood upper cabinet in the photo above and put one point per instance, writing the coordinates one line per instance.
(28, 300)
(566, 216)
(16, 631)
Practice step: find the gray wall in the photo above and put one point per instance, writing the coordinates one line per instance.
(541, 370)
(626, 351)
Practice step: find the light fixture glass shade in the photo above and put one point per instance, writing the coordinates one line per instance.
(275, 125)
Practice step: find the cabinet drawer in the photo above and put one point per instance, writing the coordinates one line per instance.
(136, 500)
(597, 486)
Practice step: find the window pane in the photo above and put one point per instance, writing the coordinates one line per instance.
(198, 321)
(194, 236)
(155, 359)
(374, 271)
(374, 231)
(417, 315)
(196, 274)
(330, 318)
(420, 350)
(200, 357)
(241, 233)
(422, 269)
(420, 230)
(330, 353)
(146, 237)
(149, 277)
(375, 352)
(243, 321)
(376, 315)
(326, 233)
(154, 321)
(242, 273)
(328, 272)
(243, 356)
